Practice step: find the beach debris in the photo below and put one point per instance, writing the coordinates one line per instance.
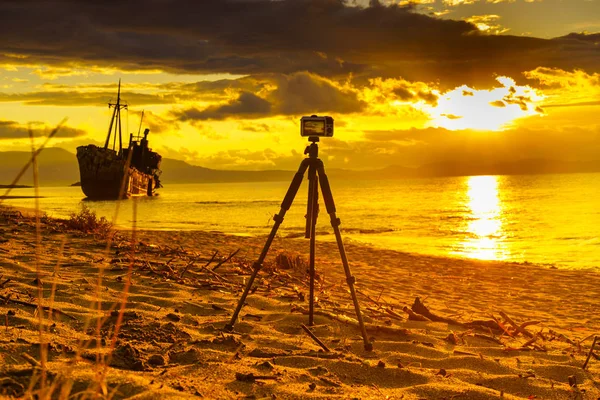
(253, 316)
(126, 356)
(517, 328)
(596, 339)
(561, 337)
(253, 378)
(156, 360)
(318, 370)
(316, 339)
(329, 381)
(185, 357)
(266, 365)
(8, 299)
(413, 316)
(452, 338)
(572, 381)
(528, 374)
(419, 308)
(260, 353)
(229, 257)
(464, 353)
(32, 361)
(488, 338)
(173, 317)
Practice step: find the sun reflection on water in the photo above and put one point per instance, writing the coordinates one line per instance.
(485, 220)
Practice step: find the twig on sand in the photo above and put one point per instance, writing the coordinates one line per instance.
(420, 308)
(517, 328)
(596, 338)
(225, 260)
(316, 339)
(464, 353)
(192, 263)
(413, 316)
(489, 338)
(394, 314)
(351, 321)
(32, 361)
(253, 378)
(563, 337)
(33, 305)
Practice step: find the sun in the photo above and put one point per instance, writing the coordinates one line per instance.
(495, 109)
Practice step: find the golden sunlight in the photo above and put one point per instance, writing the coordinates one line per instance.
(494, 109)
(485, 225)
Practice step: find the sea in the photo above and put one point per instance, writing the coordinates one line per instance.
(541, 219)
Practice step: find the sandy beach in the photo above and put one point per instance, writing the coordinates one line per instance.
(140, 315)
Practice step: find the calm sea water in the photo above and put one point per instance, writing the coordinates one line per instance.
(549, 219)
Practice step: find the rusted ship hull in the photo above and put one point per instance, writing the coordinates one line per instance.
(105, 175)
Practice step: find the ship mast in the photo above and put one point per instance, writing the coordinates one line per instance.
(117, 127)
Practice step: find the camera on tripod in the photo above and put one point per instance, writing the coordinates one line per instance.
(315, 126)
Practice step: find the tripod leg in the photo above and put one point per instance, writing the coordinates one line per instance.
(335, 223)
(278, 218)
(313, 202)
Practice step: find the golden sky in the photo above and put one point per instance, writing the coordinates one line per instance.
(223, 83)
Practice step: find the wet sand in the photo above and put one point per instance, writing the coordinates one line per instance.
(151, 327)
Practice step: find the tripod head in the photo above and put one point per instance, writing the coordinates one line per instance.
(312, 149)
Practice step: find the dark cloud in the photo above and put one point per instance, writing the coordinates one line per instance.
(77, 98)
(14, 130)
(405, 94)
(327, 37)
(305, 93)
(247, 105)
(294, 94)
(254, 127)
(498, 103)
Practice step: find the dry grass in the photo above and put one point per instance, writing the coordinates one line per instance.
(87, 221)
(44, 385)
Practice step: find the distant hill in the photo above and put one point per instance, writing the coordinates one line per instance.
(56, 167)
(59, 167)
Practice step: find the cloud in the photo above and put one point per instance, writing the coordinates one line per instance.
(275, 94)
(487, 24)
(246, 105)
(158, 124)
(330, 38)
(15, 130)
(83, 98)
(306, 93)
(566, 88)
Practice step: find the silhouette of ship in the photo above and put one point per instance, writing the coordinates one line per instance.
(117, 173)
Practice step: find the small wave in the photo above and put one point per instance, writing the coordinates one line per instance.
(237, 202)
(366, 231)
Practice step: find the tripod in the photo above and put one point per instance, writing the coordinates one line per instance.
(316, 171)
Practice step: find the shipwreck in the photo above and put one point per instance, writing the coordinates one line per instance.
(112, 173)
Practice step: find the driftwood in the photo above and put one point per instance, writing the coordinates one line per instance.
(420, 308)
(253, 378)
(413, 316)
(351, 321)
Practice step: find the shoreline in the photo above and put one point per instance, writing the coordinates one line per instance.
(170, 343)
